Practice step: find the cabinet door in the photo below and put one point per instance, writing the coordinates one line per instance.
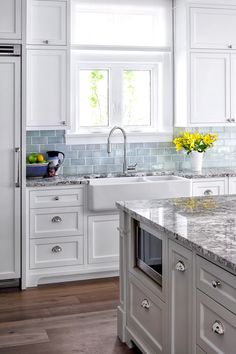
(10, 19)
(181, 298)
(233, 87)
(103, 238)
(46, 22)
(46, 89)
(213, 28)
(232, 185)
(10, 203)
(210, 187)
(210, 88)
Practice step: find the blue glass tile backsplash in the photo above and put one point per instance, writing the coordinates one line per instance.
(93, 158)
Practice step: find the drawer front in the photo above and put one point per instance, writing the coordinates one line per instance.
(147, 314)
(217, 283)
(53, 252)
(54, 222)
(208, 188)
(216, 326)
(54, 198)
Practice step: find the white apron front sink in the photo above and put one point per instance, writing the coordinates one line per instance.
(104, 192)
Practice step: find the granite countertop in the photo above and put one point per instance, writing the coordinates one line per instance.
(56, 181)
(204, 224)
(84, 179)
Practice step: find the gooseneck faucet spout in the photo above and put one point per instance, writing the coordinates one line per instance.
(125, 146)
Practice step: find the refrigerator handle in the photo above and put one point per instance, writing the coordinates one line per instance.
(17, 167)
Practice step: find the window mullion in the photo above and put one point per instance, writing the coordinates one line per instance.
(116, 93)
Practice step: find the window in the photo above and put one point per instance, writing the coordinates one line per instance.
(121, 66)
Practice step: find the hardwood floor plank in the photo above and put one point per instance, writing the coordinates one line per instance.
(69, 318)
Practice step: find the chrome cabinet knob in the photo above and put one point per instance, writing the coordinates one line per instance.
(56, 219)
(56, 198)
(56, 249)
(180, 266)
(46, 41)
(63, 122)
(230, 46)
(218, 328)
(228, 120)
(232, 119)
(145, 304)
(208, 192)
(216, 283)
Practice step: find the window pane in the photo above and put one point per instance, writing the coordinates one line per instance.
(136, 23)
(137, 97)
(93, 98)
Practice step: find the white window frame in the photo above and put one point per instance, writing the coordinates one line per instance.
(158, 63)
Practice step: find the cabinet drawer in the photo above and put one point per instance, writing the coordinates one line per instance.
(54, 252)
(208, 188)
(217, 283)
(216, 326)
(147, 315)
(56, 198)
(54, 222)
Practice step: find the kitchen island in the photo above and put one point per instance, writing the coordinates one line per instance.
(178, 275)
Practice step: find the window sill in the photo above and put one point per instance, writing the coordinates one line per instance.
(101, 138)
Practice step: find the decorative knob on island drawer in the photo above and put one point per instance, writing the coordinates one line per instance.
(56, 219)
(230, 46)
(56, 249)
(145, 304)
(180, 266)
(46, 41)
(208, 192)
(56, 198)
(215, 283)
(218, 328)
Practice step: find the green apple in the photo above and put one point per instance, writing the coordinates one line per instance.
(32, 158)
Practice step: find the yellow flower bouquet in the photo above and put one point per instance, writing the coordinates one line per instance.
(194, 142)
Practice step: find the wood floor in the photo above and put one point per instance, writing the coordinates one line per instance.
(69, 318)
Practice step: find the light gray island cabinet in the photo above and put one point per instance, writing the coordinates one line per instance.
(178, 275)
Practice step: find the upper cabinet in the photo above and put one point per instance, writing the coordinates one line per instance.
(213, 28)
(10, 19)
(46, 22)
(205, 64)
(46, 89)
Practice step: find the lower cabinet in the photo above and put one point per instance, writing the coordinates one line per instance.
(232, 185)
(147, 317)
(216, 326)
(180, 298)
(103, 238)
(209, 186)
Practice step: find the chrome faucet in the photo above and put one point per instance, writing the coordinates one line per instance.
(125, 146)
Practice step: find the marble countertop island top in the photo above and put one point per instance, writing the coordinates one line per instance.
(206, 225)
(84, 179)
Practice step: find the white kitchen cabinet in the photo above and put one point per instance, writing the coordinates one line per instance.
(46, 89)
(210, 88)
(10, 19)
(54, 252)
(46, 22)
(213, 28)
(103, 238)
(204, 65)
(209, 187)
(232, 185)
(180, 298)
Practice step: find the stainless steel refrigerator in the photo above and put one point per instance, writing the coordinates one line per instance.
(10, 162)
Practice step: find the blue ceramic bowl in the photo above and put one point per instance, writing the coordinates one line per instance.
(37, 170)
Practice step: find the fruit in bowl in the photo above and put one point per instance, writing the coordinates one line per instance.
(36, 166)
